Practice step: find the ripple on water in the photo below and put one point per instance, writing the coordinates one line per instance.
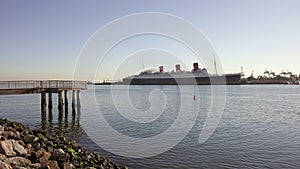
(259, 127)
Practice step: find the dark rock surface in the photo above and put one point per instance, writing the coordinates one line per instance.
(23, 148)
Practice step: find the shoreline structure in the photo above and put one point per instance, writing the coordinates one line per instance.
(21, 147)
(198, 76)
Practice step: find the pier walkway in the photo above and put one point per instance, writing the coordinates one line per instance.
(44, 87)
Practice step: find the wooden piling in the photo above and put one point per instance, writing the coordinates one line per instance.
(43, 101)
(43, 109)
(50, 105)
(73, 103)
(78, 98)
(60, 100)
(60, 107)
(50, 116)
(66, 98)
(66, 103)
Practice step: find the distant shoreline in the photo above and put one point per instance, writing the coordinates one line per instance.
(241, 83)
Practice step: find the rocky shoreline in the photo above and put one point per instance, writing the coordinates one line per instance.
(22, 148)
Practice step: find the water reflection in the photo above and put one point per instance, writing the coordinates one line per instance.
(43, 116)
(66, 117)
(62, 125)
(50, 117)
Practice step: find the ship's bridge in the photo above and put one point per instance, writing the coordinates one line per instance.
(149, 71)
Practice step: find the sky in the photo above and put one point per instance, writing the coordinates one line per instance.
(43, 39)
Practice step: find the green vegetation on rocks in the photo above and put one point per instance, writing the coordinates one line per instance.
(30, 138)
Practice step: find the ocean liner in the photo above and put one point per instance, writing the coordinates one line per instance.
(197, 76)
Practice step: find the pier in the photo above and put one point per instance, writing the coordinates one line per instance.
(44, 87)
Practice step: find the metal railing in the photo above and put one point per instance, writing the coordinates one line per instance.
(54, 84)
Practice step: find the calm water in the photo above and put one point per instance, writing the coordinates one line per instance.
(259, 128)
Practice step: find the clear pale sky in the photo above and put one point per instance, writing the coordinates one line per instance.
(42, 39)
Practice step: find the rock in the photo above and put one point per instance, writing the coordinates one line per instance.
(2, 138)
(11, 129)
(62, 146)
(115, 165)
(62, 138)
(7, 134)
(28, 148)
(27, 131)
(45, 157)
(44, 146)
(42, 155)
(35, 165)
(36, 146)
(19, 161)
(60, 155)
(67, 165)
(30, 138)
(18, 167)
(12, 134)
(45, 167)
(50, 149)
(19, 127)
(49, 143)
(52, 138)
(1, 129)
(39, 131)
(51, 164)
(21, 143)
(19, 148)
(3, 158)
(4, 165)
(42, 137)
(6, 148)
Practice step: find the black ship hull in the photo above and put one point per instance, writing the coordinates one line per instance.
(227, 79)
